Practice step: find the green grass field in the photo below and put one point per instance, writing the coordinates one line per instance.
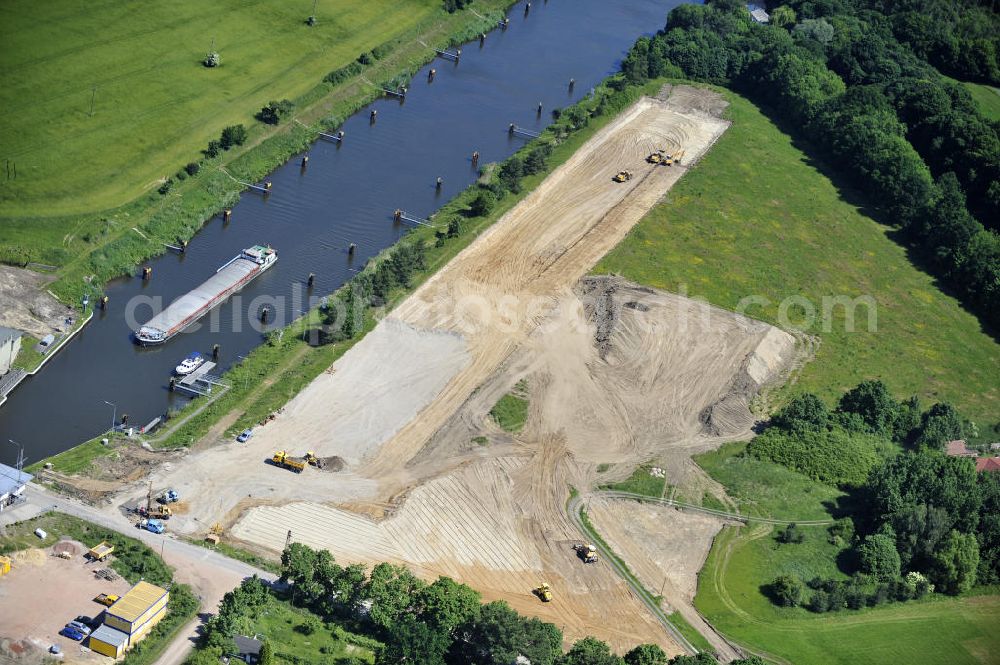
(278, 622)
(155, 105)
(760, 217)
(935, 630)
(987, 97)
(511, 411)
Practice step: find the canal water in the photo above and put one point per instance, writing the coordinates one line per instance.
(346, 195)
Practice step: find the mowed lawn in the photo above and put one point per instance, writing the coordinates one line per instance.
(758, 217)
(155, 105)
(939, 630)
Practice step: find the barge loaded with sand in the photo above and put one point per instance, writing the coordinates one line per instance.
(190, 307)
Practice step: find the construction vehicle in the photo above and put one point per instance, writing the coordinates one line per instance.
(101, 551)
(283, 459)
(170, 496)
(587, 553)
(544, 592)
(106, 599)
(311, 458)
(159, 512)
(674, 158)
(655, 157)
(622, 176)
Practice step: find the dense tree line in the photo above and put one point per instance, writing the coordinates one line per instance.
(922, 521)
(408, 620)
(911, 140)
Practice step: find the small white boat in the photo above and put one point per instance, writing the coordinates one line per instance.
(189, 364)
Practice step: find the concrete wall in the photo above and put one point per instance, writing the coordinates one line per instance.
(8, 351)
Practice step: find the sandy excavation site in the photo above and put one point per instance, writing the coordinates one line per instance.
(617, 375)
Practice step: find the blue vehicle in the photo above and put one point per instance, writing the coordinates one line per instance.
(154, 525)
(245, 435)
(72, 633)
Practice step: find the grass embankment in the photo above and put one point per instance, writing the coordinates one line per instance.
(757, 216)
(79, 458)
(511, 411)
(131, 559)
(93, 242)
(934, 630)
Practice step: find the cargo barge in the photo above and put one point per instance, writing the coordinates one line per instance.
(190, 307)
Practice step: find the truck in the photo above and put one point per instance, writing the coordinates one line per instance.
(101, 551)
(587, 553)
(106, 599)
(283, 459)
(169, 496)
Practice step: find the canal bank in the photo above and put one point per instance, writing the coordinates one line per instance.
(346, 194)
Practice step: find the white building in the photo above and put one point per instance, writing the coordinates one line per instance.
(758, 14)
(10, 344)
(12, 484)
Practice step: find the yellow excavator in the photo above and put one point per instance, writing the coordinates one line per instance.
(622, 176)
(674, 158)
(543, 592)
(655, 157)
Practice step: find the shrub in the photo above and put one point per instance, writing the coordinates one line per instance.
(791, 534)
(192, 168)
(213, 150)
(165, 187)
(233, 135)
(273, 113)
(482, 205)
(212, 60)
(344, 73)
(831, 456)
(787, 591)
(878, 557)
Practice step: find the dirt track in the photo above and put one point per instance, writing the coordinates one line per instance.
(618, 375)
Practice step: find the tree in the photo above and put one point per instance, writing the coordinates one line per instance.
(878, 557)
(446, 604)
(590, 651)
(783, 16)
(483, 204)
(938, 425)
(646, 654)
(955, 563)
(233, 135)
(787, 590)
(192, 168)
(392, 590)
(510, 172)
(499, 635)
(414, 641)
(266, 654)
(791, 534)
(804, 412)
(817, 29)
(871, 400)
(274, 112)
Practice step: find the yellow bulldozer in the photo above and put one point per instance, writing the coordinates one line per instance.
(544, 592)
(622, 176)
(283, 459)
(655, 157)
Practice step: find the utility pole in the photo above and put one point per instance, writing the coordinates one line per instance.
(20, 459)
(93, 94)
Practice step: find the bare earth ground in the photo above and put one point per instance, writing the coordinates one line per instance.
(26, 305)
(665, 548)
(617, 374)
(47, 592)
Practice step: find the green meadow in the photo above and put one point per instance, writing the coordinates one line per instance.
(155, 106)
(758, 216)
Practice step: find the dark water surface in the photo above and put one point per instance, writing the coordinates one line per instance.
(347, 194)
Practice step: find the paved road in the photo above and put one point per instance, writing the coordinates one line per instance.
(209, 573)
